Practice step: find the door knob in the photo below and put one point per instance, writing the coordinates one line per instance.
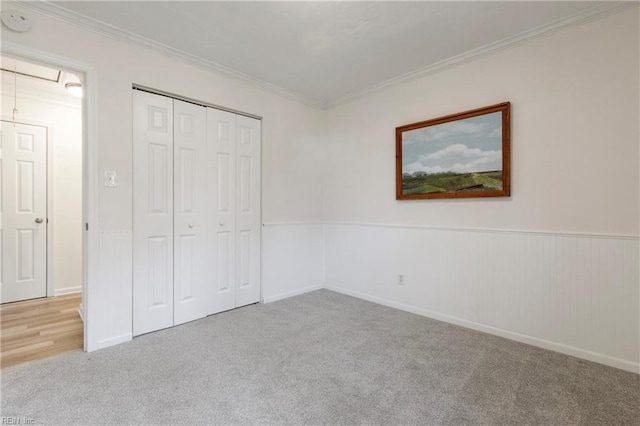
(190, 225)
(39, 220)
(221, 223)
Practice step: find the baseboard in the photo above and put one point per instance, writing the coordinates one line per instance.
(292, 293)
(533, 341)
(115, 340)
(67, 290)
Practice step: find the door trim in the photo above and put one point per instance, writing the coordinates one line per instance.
(192, 101)
(90, 182)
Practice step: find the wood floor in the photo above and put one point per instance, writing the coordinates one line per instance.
(39, 328)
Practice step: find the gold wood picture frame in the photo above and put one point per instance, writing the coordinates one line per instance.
(461, 155)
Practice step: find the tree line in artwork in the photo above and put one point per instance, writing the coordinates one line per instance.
(429, 183)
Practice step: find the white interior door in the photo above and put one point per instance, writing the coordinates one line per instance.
(23, 208)
(222, 144)
(192, 224)
(248, 210)
(152, 212)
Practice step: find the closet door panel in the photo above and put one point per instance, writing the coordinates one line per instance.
(152, 212)
(222, 147)
(248, 210)
(192, 223)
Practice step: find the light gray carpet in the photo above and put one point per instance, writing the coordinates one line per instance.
(320, 358)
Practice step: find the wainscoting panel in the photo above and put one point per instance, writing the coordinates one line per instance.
(111, 302)
(292, 259)
(570, 293)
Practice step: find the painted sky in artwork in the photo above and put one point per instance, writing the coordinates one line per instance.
(463, 146)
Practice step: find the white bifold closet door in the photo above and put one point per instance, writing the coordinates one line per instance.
(170, 222)
(152, 212)
(196, 211)
(191, 212)
(235, 141)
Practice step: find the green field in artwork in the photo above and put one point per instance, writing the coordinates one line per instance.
(431, 183)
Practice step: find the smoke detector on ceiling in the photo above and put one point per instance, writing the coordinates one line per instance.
(15, 21)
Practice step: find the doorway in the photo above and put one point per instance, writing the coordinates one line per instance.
(42, 249)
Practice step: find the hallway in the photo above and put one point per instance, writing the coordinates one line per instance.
(39, 328)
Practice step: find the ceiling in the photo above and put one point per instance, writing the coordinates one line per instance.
(35, 79)
(30, 70)
(327, 52)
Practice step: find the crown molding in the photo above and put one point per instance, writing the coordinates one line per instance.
(113, 32)
(58, 12)
(591, 14)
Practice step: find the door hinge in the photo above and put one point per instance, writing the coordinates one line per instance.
(86, 226)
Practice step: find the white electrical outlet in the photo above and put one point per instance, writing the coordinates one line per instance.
(400, 279)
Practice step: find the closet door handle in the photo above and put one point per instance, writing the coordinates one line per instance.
(39, 220)
(221, 223)
(190, 225)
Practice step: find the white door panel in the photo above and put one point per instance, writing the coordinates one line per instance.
(196, 211)
(152, 212)
(23, 212)
(222, 146)
(248, 211)
(192, 224)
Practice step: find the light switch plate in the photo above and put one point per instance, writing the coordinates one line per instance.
(110, 179)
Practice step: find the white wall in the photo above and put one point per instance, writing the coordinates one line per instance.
(574, 102)
(555, 265)
(295, 263)
(45, 104)
(291, 172)
(575, 170)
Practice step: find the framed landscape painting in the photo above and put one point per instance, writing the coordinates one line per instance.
(461, 155)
